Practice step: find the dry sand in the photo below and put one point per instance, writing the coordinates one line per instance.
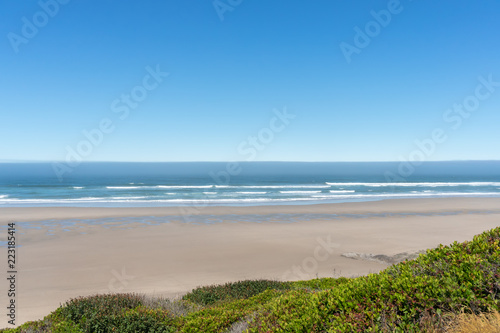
(170, 259)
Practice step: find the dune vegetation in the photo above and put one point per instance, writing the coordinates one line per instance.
(454, 288)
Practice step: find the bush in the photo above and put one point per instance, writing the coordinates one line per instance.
(98, 313)
(115, 313)
(221, 317)
(53, 323)
(143, 320)
(231, 291)
(320, 284)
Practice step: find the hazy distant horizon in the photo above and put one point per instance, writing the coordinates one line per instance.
(400, 169)
(242, 161)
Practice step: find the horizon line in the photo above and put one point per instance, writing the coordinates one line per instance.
(387, 161)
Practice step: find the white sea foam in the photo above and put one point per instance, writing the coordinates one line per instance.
(3, 196)
(317, 197)
(126, 200)
(273, 186)
(250, 192)
(299, 192)
(84, 199)
(399, 195)
(427, 184)
(159, 186)
(184, 186)
(343, 191)
(312, 186)
(77, 187)
(122, 187)
(209, 192)
(215, 201)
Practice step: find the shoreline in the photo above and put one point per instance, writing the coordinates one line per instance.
(414, 204)
(170, 259)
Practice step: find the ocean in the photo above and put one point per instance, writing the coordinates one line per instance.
(241, 184)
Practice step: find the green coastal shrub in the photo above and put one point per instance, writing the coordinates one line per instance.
(142, 319)
(230, 291)
(86, 308)
(99, 313)
(54, 323)
(220, 317)
(114, 313)
(319, 284)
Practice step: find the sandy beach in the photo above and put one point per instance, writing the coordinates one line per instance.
(70, 252)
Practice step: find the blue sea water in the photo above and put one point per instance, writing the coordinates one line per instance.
(248, 183)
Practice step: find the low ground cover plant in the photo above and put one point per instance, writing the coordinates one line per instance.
(445, 289)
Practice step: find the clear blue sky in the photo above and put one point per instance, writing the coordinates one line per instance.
(227, 76)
